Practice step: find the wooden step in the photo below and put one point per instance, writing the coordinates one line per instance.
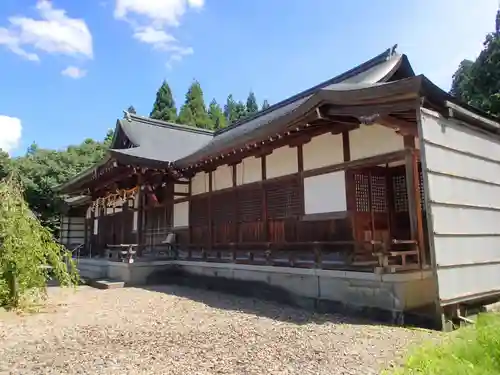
(106, 283)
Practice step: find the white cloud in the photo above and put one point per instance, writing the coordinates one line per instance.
(10, 133)
(153, 20)
(54, 32)
(74, 72)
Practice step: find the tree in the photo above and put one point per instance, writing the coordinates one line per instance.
(216, 115)
(230, 110)
(40, 170)
(265, 105)
(478, 83)
(240, 111)
(252, 106)
(131, 109)
(164, 105)
(194, 111)
(5, 164)
(25, 247)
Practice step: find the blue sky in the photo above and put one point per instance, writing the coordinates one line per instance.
(68, 68)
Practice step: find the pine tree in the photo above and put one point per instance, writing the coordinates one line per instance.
(131, 109)
(265, 105)
(216, 115)
(230, 110)
(194, 111)
(240, 111)
(252, 106)
(164, 106)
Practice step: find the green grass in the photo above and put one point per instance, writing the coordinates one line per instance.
(473, 350)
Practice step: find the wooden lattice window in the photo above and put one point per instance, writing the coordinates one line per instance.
(222, 205)
(283, 199)
(379, 194)
(421, 186)
(249, 204)
(400, 193)
(199, 211)
(361, 183)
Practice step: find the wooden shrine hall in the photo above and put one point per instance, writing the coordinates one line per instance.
(332, 178)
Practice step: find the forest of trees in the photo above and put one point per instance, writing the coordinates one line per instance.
(195, 112)
(40, 170)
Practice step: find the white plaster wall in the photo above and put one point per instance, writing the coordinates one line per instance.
(463, 200)
(181, 214)
(281, 162)
(373, 140)
(249, 170)
(325, 193)
(223, 177)
(199, 183)
(181, 188)
(323, 150)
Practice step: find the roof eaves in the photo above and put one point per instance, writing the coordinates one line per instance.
(341, 77)
(82, 175)
(169, 125)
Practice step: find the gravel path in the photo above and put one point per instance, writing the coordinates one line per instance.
(175, 330)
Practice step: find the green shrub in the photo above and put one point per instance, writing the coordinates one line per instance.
(473, 350)
(26, 249)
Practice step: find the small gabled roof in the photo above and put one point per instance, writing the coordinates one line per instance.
(157, 142)
(382, 68)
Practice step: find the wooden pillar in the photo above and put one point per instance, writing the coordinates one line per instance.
(413, 190)
(235, 228)
(140, 215)
(300, 168)
(210, 223)
(264, 198)
(190, 231)
(350, 189)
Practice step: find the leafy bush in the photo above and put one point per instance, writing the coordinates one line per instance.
(474, 350)
(27, 249)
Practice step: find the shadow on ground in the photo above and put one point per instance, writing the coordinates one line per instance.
(256, 298)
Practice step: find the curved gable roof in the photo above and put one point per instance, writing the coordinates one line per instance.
(381, 68)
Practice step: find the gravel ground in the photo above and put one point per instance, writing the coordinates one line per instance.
(175, 330)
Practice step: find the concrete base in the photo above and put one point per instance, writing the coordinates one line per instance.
(391, 297)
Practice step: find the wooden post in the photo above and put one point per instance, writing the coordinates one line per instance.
(300, 168)
(418, 209)
(140, 215)
(210, 224)
(190, 231)
(350, 189)
(264, 198)
(235, 236)
(412, 187)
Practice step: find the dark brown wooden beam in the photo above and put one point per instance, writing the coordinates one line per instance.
(370, 161)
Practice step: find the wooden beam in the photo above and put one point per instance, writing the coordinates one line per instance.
(401, 126)
(380, 109)
(370, 161)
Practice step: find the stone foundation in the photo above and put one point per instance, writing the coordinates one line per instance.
(404, 298)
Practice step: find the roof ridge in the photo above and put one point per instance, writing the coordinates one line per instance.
(384, 56)
(165, 124)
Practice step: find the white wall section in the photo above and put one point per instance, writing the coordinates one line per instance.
(462, 173)
(181, 214)
(374, 140)
(325, 193)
